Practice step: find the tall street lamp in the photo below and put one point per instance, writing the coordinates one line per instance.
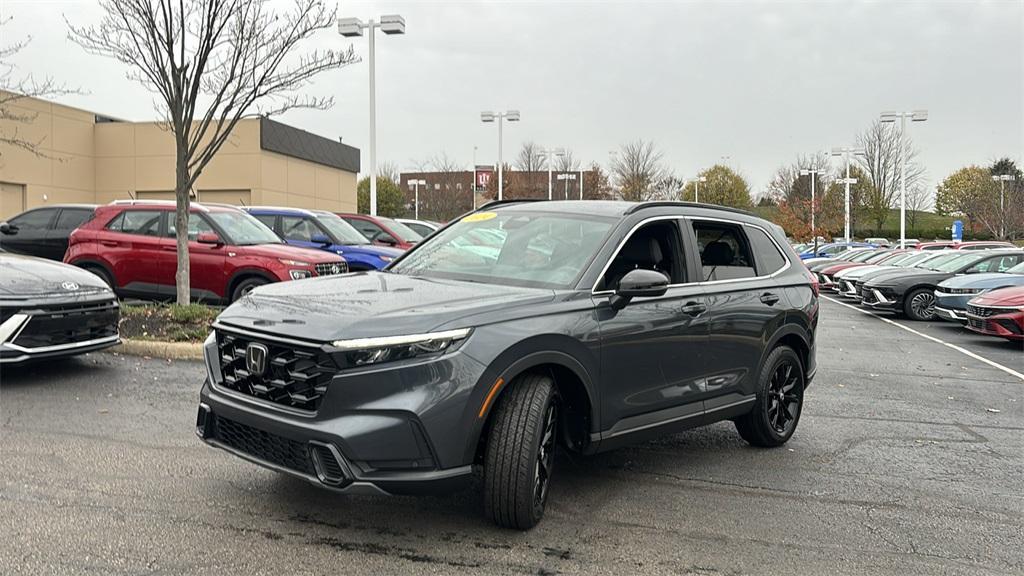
(511, 116)
(350, 27)
(696, 187)
(415, 184)
(846, 153)
(813, 173)
(915, 116)
(549, 154)
(1002, 179)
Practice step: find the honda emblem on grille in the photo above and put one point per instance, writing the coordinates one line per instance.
(256, 358)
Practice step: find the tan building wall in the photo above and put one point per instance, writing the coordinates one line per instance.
(82, 160)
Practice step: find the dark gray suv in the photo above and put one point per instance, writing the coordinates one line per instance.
(514, 331)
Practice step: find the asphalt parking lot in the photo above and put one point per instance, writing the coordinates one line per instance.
(909, 459)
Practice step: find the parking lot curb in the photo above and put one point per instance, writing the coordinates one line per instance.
(158, 349)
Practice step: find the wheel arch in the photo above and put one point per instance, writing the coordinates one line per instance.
(792, 336)
(242, 274)
(97, 263)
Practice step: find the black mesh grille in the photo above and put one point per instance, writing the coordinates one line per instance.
(977, 323)
(292, 376)
(64, 324)
(331, 268)
(866, 295)
(264, 445)
(329, 465)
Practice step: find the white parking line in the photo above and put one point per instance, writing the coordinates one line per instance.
(964, 351)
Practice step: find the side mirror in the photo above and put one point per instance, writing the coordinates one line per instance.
(8, 229)
(385, 240)
(208, 238)
(320, 239)
(638, 283)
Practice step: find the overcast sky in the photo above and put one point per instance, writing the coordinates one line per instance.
(757, 82)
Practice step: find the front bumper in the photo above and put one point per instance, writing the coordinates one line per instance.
(951, 314)
(52, 327)
(1005, 323)
(879, 298)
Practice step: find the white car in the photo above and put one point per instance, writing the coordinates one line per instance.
(422, 227)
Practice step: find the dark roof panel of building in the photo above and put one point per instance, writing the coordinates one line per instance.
(290, 141)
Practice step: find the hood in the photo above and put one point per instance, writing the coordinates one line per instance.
(905, 275)
(988, 280)
(368, 304)
(840, 266)
(1003, 297)
(859, 271)
(368, 249)
(27, 276)
(311, 255)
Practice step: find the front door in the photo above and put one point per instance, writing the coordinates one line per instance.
(30, 236)
(206, 261)
(652, 351)
(133, 246)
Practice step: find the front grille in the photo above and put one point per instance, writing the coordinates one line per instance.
(68, 324)
(331, 268)
(263, 445)
(292, 376)
(981, 311)
(977, 323)
(867, 296)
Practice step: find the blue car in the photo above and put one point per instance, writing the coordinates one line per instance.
(832, 250)
(951, 295)
(325, 231)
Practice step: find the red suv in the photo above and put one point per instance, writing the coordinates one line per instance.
(383, 231)
(131, 245)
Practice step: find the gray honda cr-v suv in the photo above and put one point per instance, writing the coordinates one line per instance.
(516, 330)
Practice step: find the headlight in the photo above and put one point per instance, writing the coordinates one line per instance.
(363, 351)
(965, 290)
(288, 262)
(299, 274)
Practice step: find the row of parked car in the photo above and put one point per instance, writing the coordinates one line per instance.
(975, 284)
(131, 245)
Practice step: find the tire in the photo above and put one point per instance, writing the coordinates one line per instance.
(103, 274)
(246, 286)
(520, 452)
(920, 304)
(766, 425)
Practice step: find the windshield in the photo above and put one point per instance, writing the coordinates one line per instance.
(955, 263)
(404, 232)
(1018, 269)
(866, 256)
(895, 259)
(533, 249)
(243, 229)
(342, 232)
(916, 258)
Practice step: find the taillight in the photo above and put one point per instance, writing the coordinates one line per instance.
(814, 282)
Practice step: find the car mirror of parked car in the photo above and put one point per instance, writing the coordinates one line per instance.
(320, 239)
(8, 229)
(208, 238)
(638, 283)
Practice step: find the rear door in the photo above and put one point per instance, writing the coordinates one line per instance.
(30, 238)
(57, 237)
(746, 304)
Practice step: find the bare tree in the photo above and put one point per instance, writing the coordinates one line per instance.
(637, 170)
(390, 171)
(530, 157)
(529, 163)
(882, 162)
(235, 58)
(15, 87)
(449, 193)
(566, 162)
(919, 199)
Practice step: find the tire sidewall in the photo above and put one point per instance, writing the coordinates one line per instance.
(250, 283)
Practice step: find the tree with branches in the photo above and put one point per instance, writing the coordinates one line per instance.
(529, 163)
(882, 162)
(213, 63)
(637, 170)
(723, 186)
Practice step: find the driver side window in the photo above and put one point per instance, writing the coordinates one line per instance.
(654, 246)
(299, 229)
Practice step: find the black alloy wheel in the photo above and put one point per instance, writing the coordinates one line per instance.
(779, 401)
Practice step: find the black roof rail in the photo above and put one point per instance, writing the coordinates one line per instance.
(660, 203)
(496, 203)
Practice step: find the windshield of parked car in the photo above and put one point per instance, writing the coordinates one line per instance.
(865, 256)
(896, 259)
(404, 232)
(1018, 269)
(533, 249)
(915, 258)
(243, 229)
(341, 231)
(955, 263)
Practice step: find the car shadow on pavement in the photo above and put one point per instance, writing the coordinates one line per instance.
(49, 372)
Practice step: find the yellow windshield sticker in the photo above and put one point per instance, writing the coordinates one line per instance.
(479, 217)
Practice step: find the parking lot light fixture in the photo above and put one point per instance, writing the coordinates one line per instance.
(846, 153)
(1003, 179)
(352, 27)
(915, 116)
(813, 173)
(415, 185)
(511, 116)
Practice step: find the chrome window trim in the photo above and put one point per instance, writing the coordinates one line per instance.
(787, 266)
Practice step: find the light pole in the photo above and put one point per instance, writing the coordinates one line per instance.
(1002, 179)
(472, 187)
(566, 177)
(511, 116)
(415, 184)
(581, 184)
(813, 173)
(846, 152)
(915, 116)
(696, 187)
(548, 153)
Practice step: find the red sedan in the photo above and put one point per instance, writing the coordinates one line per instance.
(998, 313)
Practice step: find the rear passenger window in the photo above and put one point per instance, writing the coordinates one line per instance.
(724, 252)
(70, 219)
(141, 222)
(266, 219)
(767, 257)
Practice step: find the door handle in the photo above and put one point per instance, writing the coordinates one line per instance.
(108, 243)
(694, 308)
(769, 298)
(170, 248)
